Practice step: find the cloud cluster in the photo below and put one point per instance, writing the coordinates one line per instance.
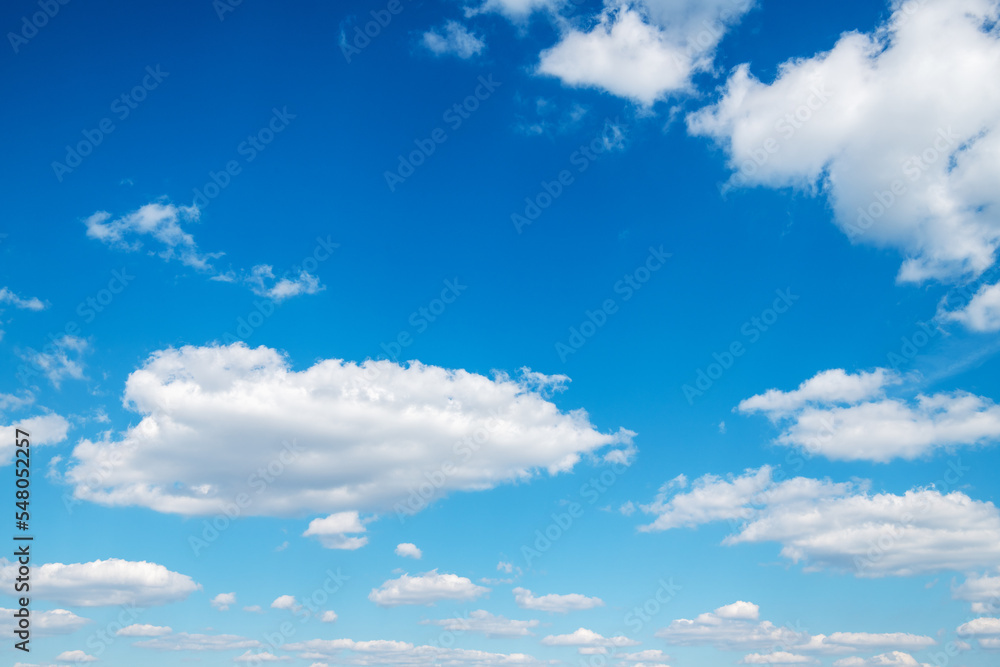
(848, 417)
(335, 437)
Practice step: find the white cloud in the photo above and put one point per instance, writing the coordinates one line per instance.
(385, 652)
(328, 616)
(736, 627)
(356, 437)
(75, 656)
(643, 51)
(426, 588)
(776, 658)
(105, 582)
(47, 429)
(982, 313)
(516, 10)
(985, 625)
(60, 359)
(257, 658)
(834, 526)
(553, 602)
(184, 641)
(332, 531)
(408, 550)
(711, 499)
(254, 609)
(44, 623)
(222, 601)
(144, 630)
(906, 106)
(453, 39)
(159, 221)
(484, 622)
(31, 303)
(983, 591)
(286, 602)
(891, 659)
(848, 418)
(585, 637)
(263, 282)
(648, 656)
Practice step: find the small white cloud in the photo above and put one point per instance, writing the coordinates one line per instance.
(585, 637)
(453, 39)
(287, 602)
(484, 622)
(328, 616)
(263, 282)
(31, 303)
(144, 630)
(408, 550)
(257, 658)
(222, 601)
(75, 656)
(254, 609)
(425, 589)
(60, 359)
(553, 602)
(981, 314)
(332, 531)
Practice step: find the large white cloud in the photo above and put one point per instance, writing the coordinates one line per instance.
(104, 583)
(224, 421)
(848, 417)
(842, 526)
(899, 127)
(554, 602)
(426, 588)
(642, 50)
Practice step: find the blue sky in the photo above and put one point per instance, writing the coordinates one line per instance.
(510, 332)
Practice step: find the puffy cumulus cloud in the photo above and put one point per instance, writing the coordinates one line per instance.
(161, 222)
(848, 417)
(328, 616)
(390, 652)
(222, 601)
(642, 51)
(334, 531)
(183, 641)
(335, 437)
(776, 658)
(711, 498)
(48, 429)
(982, 591)
(453, 38)
(426, 588)
(483, 622)
(986, 625)
(891, 659)
(516, 10)
(105, 582)
(553, 602)
(144, 630)
(899, 127)
(287, 602)
(648, 656)
(409, 550)
(747, 611)
(44, 623)
(263, 282)
(76, 656)
(585, 637)
(259, 657)
(842, 526)
(981, 313)
(746, 632)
